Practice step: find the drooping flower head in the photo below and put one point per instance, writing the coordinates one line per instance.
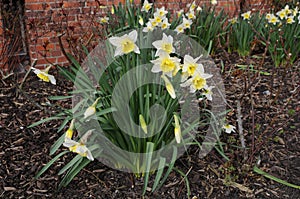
(44, 75)
(125, 44)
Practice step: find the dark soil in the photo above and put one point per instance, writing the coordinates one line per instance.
(270, 107)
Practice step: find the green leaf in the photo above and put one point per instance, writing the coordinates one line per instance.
(149, 151)
(59, 97)
(49, 164)
(44, 120)
(70, 164)
(161, 166)
(57, 144)
(261, 172)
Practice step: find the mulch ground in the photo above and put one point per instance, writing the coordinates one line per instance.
(270, 107)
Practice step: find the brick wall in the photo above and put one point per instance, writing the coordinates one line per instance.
(71, 20)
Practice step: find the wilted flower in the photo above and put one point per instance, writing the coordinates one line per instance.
(166, 45)
(246, 15)
(125, 44)
(228, 128)
(146, 6)
(166, 64)
(143, 123)
(43, 75)
(177, 129)
(169, 86)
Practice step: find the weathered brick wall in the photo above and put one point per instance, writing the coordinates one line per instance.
(47, 20)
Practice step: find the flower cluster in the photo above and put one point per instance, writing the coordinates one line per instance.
(286, 14)
(159, 20)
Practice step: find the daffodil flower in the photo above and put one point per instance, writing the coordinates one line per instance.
(290, 20)
(169, 86)
(190, 65)
(273, 19)
(43, 75)
(199, 9)
(197, 81)
(287, 10)
(186, 23)
(214, 2)
(79, 147)
(146, 6)
(161, 11)
(208, 92)
(229, 128)
(143, 123)
(166, 64)
(179, 13)
(141, 20)
(125, 44)
(91, 110)
(148, 27)
(179, 29)
(246, 15)
(233, 20)
(191, 6)
(177, 130)
(164, 45)
(165, 24)
(281, 14)
(190, 15)
(70, 131)
(104, 20)
(296, 11)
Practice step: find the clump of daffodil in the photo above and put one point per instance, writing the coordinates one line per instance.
(228, 128)
(125, 44)
(143, 124)
(79, 147)
(91, 110)
(169, 87)
(104, 20)
(177, 129)
(146, 6)
(44, 75)
(164, 45)
(246, 15)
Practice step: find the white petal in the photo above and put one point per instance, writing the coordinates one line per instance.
(116, 41)
(69, 142)
(89, 155)
(155, 68)
(136, 49)
(133, 35)
(118, 51)
(52, 79)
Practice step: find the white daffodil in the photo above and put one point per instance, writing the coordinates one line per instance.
(246, 15)
(190, 65)
(143, 123)
(104, 20)
(273, 19)
(268, 16)
(179, 29)
(153, 22)
(233, 20)
(161, 11)
(287, 10)
(190, 15)
(208, 92)
(214, 2)
(166, 64)
(165, 24)
(186, 23)
(125, 44)
(158, 18)
(169, 86)
(91, 110)
(199, 9)
(148, 27)
(281, 14)
(146, 6)
(228, 128)
(177, 130)
(290, 20)
(164, 45)
(192, 6)
(197, 81)
(296, 11)
(141, 20)
(79, 147)
(180, 12)
(44, 75)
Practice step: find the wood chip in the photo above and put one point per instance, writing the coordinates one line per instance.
(10, 189)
